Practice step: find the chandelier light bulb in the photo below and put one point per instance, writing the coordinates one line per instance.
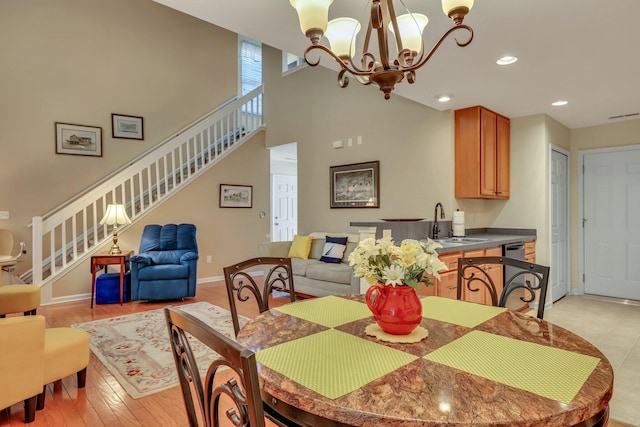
(411, 26)
(341, 33)
(313, 16)
(456, 9)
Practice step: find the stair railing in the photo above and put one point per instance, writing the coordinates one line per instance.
(70, 233)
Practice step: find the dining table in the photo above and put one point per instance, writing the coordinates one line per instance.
(321, 363)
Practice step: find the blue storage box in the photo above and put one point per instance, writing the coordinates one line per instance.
(108, 288)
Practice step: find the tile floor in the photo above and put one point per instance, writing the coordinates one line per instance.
(614, 327)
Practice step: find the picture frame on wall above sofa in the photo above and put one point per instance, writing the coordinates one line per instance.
(356, 185)
(78, 139)
(127, 127)
(236, 196)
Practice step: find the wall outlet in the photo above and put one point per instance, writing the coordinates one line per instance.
(209, 259)
(4, 215)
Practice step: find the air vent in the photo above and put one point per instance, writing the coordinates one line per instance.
(622, 116)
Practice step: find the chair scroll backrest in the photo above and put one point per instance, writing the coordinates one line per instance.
(203, 401)
(239, 281)
(518, 275)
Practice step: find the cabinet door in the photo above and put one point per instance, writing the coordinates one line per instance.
(447, 286)
(503, 136)
(488, 153)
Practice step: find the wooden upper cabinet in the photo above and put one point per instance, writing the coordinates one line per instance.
(482, 152)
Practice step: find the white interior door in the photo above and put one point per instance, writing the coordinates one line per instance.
(285, 208)
(612, 222)
(559, 272)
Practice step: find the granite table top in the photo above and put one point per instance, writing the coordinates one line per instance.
(351, 378)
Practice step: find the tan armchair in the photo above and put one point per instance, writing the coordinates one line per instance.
(19, 298)
(32, 357)
(22, 362)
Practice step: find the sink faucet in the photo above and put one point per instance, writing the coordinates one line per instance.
(436, 226)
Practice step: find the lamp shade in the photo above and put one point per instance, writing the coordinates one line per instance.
(449, 5)
(115, 215)
(341, 33)
(312, 14)
(411, 26)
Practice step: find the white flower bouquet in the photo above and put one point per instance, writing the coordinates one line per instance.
(405, 265)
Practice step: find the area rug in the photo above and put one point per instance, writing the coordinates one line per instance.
(136, 350)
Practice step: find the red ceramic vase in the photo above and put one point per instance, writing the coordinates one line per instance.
(397, 309)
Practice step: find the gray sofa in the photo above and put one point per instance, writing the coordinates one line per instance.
(314, 277)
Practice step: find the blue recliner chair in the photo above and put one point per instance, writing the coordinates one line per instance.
(166, 266)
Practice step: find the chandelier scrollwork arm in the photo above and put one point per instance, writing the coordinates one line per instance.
(426, 57)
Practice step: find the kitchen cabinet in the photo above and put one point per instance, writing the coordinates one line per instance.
(447, 285)
(493, 271)
(530, 252)
(482, 154)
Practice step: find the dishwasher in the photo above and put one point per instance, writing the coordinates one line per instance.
(516, 251)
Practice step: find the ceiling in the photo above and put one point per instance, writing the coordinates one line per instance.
(586, 52)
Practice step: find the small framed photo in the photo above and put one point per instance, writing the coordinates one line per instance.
(127, 127)
(356, 185)
(236, 196)
(78, 139)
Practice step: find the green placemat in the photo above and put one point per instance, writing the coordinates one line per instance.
(546, 371)
(333, 363)
(461, 313)
(328, 311)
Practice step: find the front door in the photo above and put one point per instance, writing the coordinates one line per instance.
(612, 222)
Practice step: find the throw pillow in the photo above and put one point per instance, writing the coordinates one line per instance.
(300, 247)
(334, 249)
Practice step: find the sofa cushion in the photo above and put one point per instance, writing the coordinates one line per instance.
(336, 273)
(333, 250)
(350, 247)
(317, 246)
(299, 266)
(300, 247)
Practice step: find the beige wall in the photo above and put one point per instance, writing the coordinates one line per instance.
(412, 142)
(78, 61)
(227, 235)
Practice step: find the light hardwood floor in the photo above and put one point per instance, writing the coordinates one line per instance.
(104, 402)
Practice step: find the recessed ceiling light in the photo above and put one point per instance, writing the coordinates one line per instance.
(559, 103)
(506, 60)
(444, 97)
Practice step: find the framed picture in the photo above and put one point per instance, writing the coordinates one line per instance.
(236, 196)
(78, 139)
(356, 185)
(126, 127)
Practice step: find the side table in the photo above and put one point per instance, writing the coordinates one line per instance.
(105, 260)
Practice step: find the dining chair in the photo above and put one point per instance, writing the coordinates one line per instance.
(473, 276)
(240, 280)
(237, 394)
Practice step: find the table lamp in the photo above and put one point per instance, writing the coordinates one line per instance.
(115, 215)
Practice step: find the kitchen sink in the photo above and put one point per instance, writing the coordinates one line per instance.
(459, 241)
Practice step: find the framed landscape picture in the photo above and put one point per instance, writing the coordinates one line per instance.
(236, 196)
(127, 127)
(356, 185)
(78, 139)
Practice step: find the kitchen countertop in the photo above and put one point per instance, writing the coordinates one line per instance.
(412, 229)
(495, 237)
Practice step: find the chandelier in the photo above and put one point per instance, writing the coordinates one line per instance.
(406, 30)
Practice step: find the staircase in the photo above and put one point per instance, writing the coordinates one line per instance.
(71, 233)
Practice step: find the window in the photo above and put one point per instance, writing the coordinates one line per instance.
(291, 62)
(250, 65)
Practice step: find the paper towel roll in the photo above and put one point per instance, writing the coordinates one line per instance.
(458, 223)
